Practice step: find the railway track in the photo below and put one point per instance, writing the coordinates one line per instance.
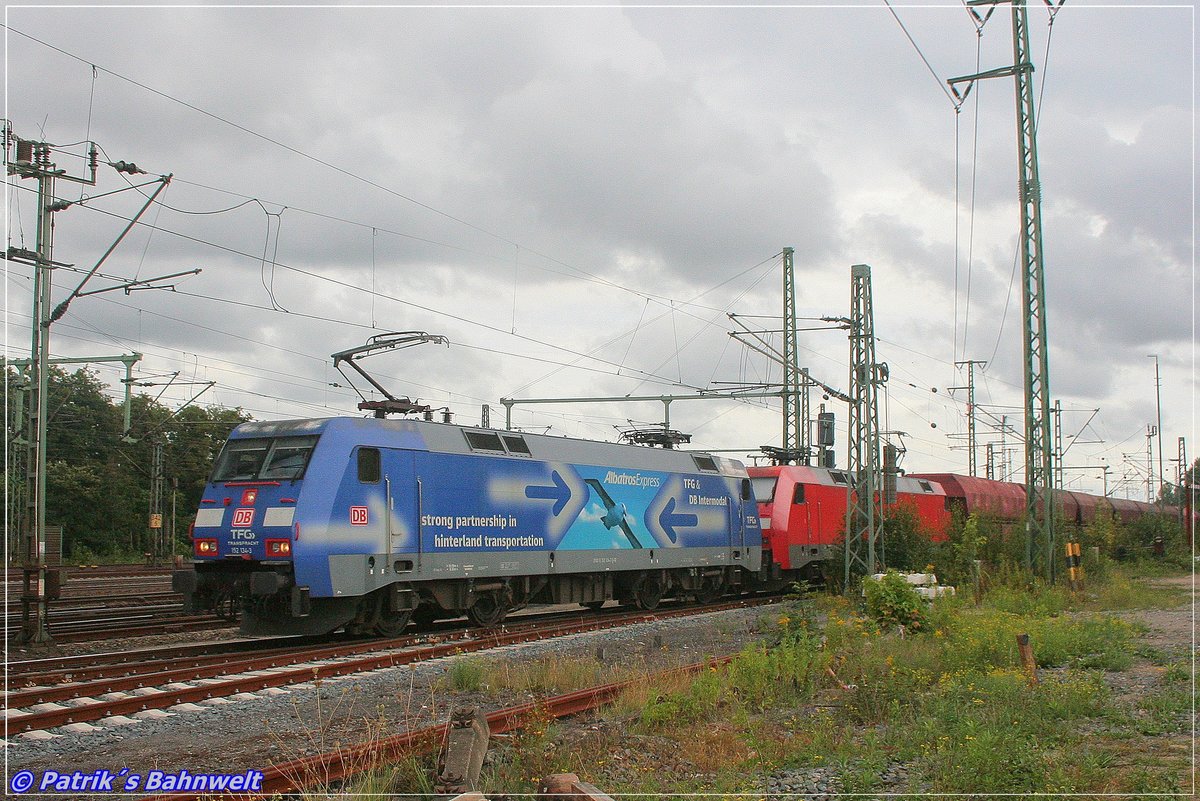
(141, 625)
(207, 676)
(111, 612)
(88, 588)
(69, 608)
(44, 669)
(322, 771)
(14, 574)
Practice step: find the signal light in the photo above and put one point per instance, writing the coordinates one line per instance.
(206, 547)
(279, 548)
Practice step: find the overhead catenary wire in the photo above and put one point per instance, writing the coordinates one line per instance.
(629, 332)
(243, 338)
(713, 320)
(373, 294)
(560, 365)
(240, 337)
(575, 273)
(941, 84)
(349, 285)
(582, 419)
(264, 137)
(322, 162)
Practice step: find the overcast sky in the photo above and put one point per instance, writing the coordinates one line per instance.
(577, 197)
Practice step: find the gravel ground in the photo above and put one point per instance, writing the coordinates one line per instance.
(125, 643)
(1171, 630)
(255, 730)
(1171, 637)
(258, 730)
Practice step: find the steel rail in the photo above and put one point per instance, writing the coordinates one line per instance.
(94, 630)
(13, 574)
(66, 609)
(49, 666)
(127, 584)
(83, 667)
(98, 681)
(323, 770)
(280, 677)
(178, 665)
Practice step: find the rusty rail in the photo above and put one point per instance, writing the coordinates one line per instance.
(568, 787)
(279, 677)
(86, 631)
(334, 766)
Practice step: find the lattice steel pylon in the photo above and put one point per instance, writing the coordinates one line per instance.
(1186, 490)
(864, 498)
(795, 398)
(1039, 462)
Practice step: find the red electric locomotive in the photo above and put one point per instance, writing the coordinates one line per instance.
(802, 511)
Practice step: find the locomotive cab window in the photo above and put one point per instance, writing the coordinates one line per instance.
(484, 441)
(287, 458)
(705, 463)
(745, 489)
(369, 465)
(838, 478)
(241, 459)
(764, 488)
(924, 485)
(798, 494)
(263, 458)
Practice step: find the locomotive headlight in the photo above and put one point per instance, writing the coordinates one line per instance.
(279, 548)
(206, 547)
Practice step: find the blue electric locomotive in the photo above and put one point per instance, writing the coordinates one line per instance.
(311, 525)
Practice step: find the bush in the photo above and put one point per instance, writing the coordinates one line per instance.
(892, 601)
(995, 545)
(904, 542)
(1136, 540)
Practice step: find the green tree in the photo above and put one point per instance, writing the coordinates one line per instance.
(98, 476)
(1173, 494)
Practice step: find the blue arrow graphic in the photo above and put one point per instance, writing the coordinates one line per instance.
(669, 521)
(560, 493)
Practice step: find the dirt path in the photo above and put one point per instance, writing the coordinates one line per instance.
(1157, 691)
(1171, 630)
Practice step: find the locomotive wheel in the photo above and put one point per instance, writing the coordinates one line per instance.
(710, 590)
(426, 614)
(489, 609)
(392, 624)
(649, 592)
(226, 607)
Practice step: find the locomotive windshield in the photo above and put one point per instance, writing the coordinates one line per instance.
(764, 488)
(264, 458)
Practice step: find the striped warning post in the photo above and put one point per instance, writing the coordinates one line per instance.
(1074, 566)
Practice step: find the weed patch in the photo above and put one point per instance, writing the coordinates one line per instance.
(1121, 592)
(466, 675)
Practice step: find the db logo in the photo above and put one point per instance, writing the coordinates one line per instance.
(242, 518)
(358, 515)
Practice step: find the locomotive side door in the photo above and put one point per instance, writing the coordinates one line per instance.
(398, 477)
(743, 506)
